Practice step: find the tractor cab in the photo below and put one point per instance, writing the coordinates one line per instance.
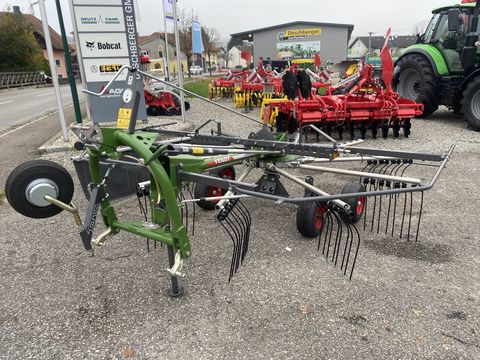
(448, 31)
(442, 68)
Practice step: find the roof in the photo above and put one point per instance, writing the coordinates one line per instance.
(143, 39)
(400, 42)
(308, 23)
(36, 26)
(465, 6)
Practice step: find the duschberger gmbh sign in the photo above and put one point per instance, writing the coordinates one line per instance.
(107, 34)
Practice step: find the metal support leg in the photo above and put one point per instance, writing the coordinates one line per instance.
(177, 289)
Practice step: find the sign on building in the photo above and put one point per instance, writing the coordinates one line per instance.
(107, 36)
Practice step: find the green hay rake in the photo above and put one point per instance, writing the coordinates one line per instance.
(198, 169)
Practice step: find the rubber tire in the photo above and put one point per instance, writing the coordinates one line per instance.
(353, 202)
(290, 85)
(202, 190)
(304, 84)
(27, 172)
(429, 82)
(153, 110)
(472, 88)
(306, 218)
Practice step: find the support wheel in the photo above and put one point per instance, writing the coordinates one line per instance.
(357, 204)
(310, 219)
(28, 183)
(471, 103)
(415, 80)
(204, 191)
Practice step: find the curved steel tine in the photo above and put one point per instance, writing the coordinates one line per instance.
(403, 215)
(419, 216)
(348, 248)
(330, 236)
(236, 231)
(327, 230)
(234, 251)
(410, 216)
(247, 221)
(338, 238)
(356, 251)
(321, 230)
(241, 228)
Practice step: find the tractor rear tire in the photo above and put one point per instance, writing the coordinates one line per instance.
(357, 204)
(310, 219)
(47, 177)
(416, 80)
(471, 103)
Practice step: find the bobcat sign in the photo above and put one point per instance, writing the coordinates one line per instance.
(106, 36)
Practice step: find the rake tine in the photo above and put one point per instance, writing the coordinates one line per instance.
(403, 215)
(356, 251)
(348, 244)
(237, 243)
(243, 229)
(233, 252)
(328, 230)
(419, 217)
(410, 217)
(321, 232)
(344, 265)
(248, 221)
(388, 213)
(240, 229)
(330, 236)
(338, 238)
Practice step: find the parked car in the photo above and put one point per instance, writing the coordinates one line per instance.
(196, 70)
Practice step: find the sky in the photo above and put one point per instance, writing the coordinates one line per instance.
(237, 16)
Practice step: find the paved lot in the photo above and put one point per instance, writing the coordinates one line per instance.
(406, 300)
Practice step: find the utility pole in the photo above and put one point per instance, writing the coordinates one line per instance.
(68, 62)
(53, 69)
(166, 56)
(370, 43)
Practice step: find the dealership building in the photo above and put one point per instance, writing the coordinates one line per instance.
(297, 40)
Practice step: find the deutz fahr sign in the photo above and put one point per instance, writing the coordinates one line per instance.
(107, 36)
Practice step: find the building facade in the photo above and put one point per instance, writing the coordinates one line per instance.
(297, 40)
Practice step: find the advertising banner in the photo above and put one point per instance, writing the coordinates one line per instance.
(107, 37)
(297, 50)
(197, 43)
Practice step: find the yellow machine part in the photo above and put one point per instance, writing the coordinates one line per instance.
(352, 69)
(269, 112)
(250, 99)
(219, 92)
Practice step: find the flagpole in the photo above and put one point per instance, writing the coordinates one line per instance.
(53, 69)
(179, 63)
(167, 57)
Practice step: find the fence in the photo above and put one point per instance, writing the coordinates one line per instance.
(15, 79)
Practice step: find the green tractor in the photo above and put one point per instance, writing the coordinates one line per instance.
(442, 68)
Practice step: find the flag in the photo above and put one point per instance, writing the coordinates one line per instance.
(168, 9)
(387, 62)
(197, 44)
(318, 61)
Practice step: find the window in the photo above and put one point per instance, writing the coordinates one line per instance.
(160, 54)
(58, 63)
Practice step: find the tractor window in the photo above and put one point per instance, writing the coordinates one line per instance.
(431, 27)
(450, 43)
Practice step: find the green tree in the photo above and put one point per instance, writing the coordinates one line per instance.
(19, 51)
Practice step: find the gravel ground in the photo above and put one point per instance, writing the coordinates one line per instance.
(406, 300)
